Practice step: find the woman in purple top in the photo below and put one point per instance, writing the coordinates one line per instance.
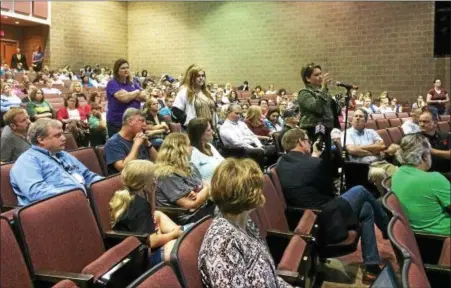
(122, 93)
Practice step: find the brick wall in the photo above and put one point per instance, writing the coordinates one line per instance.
(379, 46)
(87, 33)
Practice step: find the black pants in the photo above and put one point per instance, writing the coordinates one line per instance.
(266, 156)
(113, 128)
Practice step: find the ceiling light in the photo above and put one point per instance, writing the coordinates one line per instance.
(6, 17)
(17, 22)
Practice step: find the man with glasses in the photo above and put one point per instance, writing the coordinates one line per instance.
(129, 143)
(306, 183)
(440, 143)
(235, 134)
(45, 169)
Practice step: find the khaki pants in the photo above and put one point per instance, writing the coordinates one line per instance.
(380, 170)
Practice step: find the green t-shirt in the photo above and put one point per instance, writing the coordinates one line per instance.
(425, 197)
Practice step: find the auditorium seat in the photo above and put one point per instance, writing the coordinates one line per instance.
(390, 115)
(445, 255)
(14, 272)
(87, 156)
(8, 197)
(444, 127)
(396, 134)
(395, 122)
(60, 234)
(403, 115)
(160, 276)
(376, 116)
(385, 136)
(371, 124)
(71, 144)
(382, 123)
(445, 118)
(278, 142)
(100, 152)
(413, 275)
(185, 252)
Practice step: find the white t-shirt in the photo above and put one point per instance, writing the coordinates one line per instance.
(206, 164)
(73, 114)
(181, 102)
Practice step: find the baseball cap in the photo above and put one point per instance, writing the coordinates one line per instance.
(290, 113)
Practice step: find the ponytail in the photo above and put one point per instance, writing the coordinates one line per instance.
(119, 204)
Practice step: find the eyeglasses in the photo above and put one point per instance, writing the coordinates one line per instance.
(307, 139)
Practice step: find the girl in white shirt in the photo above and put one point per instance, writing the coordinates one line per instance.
(204, 155)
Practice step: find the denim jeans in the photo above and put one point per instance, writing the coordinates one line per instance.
(156, 142)
(369, 211)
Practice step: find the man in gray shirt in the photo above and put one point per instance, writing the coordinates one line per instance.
(14, 136)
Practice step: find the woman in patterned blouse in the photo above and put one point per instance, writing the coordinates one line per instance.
(232, 253)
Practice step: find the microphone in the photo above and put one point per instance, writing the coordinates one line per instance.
(320, 131)
(347, 86)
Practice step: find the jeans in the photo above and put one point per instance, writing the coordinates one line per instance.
(156, 142)
(369, 211)
(436, 111)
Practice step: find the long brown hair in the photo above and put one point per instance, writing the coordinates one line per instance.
(196, 128)
(190, 85)
(116, 67)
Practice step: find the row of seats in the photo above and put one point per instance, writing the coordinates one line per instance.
(411, 255)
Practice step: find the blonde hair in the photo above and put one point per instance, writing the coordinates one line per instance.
(149, 104)
(254, 114)
(10, 116)
(174, 156)
(136, 175)
(237, 186)
(72, 87)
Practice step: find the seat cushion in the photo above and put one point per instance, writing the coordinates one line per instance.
(445, 256)
(111, 257)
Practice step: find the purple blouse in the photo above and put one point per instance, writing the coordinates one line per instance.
(117, 108)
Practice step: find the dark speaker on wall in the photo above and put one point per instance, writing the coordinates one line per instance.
(442, 27)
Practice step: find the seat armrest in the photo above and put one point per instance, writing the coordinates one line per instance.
(423, 235)
(437, 269)
(438, 276)
(82, 280)
(7, 207)
(143, 237)
(288, 276)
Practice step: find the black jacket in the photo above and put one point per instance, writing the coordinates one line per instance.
(22, 60)
(306, 183)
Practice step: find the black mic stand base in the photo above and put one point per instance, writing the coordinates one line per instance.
(344, 153)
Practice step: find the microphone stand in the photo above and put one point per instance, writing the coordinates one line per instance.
(345, 152)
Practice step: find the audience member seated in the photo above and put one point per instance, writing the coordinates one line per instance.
(129, 143)
(365, 146)
(45, 169)
(244, 109)
(38, 107)
(97, 126)
(28, 87)
(232, 251)
(233, 97)
(77, 89)
(235, 134)
(157, 127)
(369, 107)
(204, 155)
(420, 103)
(425, 196)
(132, 210)
(49, 89)
(395, 106)
(273, 120)
(440, 143)
(281, 95)
(255, 123)
(264, 107)
(122, 93)
(74, 119)
(86, 81)
(385, 106)
(306, 183)
(244, 87)
(411, 125)
(94, 98)
(14, 140)
(179, 183)
(8, 99)
(291, 120)
(437, 99)
(166, 111)
(271, 90)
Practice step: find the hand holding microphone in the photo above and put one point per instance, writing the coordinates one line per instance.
(319, 145)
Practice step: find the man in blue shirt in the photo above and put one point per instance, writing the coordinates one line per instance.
(45, 169)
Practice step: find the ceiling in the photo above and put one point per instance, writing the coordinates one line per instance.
(6, 20)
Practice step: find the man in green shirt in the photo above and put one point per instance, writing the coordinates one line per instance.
(425, 196)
